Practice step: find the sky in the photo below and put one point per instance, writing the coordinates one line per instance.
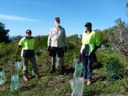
(38, 15)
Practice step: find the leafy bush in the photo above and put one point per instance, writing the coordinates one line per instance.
(41, 42)
(112, 62)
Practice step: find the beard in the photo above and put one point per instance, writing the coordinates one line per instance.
(57, 25)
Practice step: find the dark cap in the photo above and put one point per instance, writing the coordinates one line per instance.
(88, 24)
(57, 19)
(28, 31)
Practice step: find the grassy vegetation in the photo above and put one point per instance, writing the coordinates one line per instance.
(58, 85)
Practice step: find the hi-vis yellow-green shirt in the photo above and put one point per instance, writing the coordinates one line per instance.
(26, 44)
(91, 39)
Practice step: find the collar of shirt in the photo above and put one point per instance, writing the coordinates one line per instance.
(29, 37)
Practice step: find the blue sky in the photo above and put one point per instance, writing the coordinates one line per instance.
(38, 15)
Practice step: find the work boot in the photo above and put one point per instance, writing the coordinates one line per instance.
(26, 78)
(62, 71)
(53, 69)
(88, 82)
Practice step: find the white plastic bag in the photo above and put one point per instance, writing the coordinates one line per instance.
(18, 66)
(14, 86)
(2, 77)
(78, 69)
(77, 86)
(33, 74)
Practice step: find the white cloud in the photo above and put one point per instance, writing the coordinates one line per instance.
(15, 18)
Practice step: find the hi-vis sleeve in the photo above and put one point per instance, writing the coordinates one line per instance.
(21, 43)
(97, 39)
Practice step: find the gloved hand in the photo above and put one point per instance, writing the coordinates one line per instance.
(49, 48)
(65, 48)
(96, 47)
(19, 46)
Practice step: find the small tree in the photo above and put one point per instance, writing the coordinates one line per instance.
(121, 36)
(117, 37)
(102, 35)
(106, 37)
(4, 37)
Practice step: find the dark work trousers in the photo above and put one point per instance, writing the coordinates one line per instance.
(25, 65)
(87, 66)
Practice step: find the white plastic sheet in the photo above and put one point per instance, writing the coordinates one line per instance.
(78, 69)
(77, 83)
(2, 77)
(18, 66)
(14, 86)
(77, 86)
(33, 74)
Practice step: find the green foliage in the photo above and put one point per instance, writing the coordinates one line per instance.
(41, 42)
(112, 63)
(125, 82)
(7, 49)
(74, 41)
(108, 36)
(101, 35)
(120, 32)
(108, 56)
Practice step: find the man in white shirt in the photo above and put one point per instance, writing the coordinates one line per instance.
(57, 44)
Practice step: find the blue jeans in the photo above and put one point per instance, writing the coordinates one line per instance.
(87, 66)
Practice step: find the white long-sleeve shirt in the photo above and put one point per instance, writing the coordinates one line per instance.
(57, 38)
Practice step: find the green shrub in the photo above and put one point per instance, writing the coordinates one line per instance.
(111, 61)
(41, 42)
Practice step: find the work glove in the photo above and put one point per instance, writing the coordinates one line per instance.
(19, 46)
(96, 47)
(49, 48)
